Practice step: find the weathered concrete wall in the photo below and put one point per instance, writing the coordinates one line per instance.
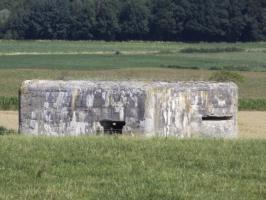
(183, 109)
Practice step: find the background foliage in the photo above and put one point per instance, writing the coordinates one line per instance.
(175, 20)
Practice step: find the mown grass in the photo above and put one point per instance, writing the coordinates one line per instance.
(131, 168)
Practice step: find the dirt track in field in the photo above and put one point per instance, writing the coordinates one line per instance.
(251, 124)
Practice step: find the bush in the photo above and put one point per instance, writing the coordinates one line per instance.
(226, 76)
(118, 53)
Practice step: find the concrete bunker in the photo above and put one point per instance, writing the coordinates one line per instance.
(180, 109)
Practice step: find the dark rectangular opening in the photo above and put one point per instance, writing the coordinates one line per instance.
(113, 127)
(216, 118)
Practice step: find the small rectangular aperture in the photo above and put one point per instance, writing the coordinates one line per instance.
(216, 118)
(113, 127)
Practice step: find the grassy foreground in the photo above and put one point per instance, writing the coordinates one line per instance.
(131, 168)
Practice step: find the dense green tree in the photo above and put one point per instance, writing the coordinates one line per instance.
(215, 20)
(11, 15)
(16, 25)
(194, 23)
(13, 4)
(82, 20)
(263, 20)
(177, 20)
(237, 20)
(255, 20)
(180, 15)
(134, 19)
(4, 17)
(207, 20)
(48, 19)
(106, 26)
(163, 22)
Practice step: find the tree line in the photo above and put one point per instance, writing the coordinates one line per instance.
(165, 20)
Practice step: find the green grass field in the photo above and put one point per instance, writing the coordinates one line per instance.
(42, 46)
(131, 168)
(109, 55)
(22, 60)
(252, 61)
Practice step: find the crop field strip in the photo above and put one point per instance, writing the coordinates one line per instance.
(87, 55)
(94, 46)
(247, 61)
(109, 55)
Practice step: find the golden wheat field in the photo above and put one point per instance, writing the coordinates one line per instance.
(252, 125)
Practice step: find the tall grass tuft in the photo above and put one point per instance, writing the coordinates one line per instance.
(5, 131)
(9, 103)
(252, 104)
